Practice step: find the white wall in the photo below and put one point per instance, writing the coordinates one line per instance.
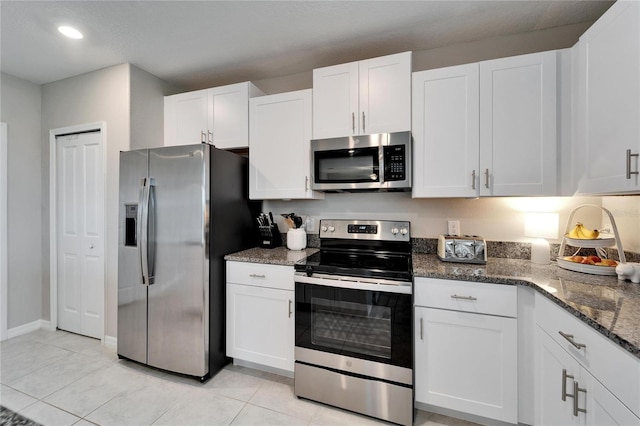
(101, 95)
(20, 108)
(464, 53)
(626, 214)
(496, 219)
(147, 108)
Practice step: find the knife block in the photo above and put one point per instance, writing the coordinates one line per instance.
(270, 236)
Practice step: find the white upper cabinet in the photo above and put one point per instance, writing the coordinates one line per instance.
(608, 103)
(279, 147)
(365, 97)
(219, 116)
(186, 118)
(446, 135)
(518, 134)
(486, 129)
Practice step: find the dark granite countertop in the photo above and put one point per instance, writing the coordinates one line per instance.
(609, 306)
(274, 256)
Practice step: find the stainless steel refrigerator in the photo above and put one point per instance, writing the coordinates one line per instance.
(182, 208)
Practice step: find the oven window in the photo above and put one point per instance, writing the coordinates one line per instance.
(354, 327)
(371, 325)
(347, 165)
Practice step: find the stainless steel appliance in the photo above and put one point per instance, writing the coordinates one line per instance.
(182, 209)
(380, 162)
(353, 317)
(463, 249)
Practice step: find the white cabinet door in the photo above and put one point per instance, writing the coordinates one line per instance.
(366, 97)
(518, 125)
(230, 114)
(612, 106)
(260, 325)
(467, 362)
(446, 132)
(335, 101)
(602, 407)
(385, 94)
(554, 366)
(186, 118)
(560, 374)
(219, 116)
(279, 147)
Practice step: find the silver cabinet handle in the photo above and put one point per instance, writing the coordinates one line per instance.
(455, 296)
(571, 340)
(421, 337)
(210, 136)
(258, 276)
(306, 183)
(565, 376)
(362, 121)
(629, 172)
(473, 179)
(353, 122)
(486, 178)
(576, 409)
(290, 310)
(203, 136)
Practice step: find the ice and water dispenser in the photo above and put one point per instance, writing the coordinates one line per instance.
(130, 224)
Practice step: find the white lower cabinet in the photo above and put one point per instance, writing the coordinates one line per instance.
(466, 361)
(260, 316)
(560, 378)
(605, 379)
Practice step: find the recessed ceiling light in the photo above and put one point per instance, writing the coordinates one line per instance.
(70, 32)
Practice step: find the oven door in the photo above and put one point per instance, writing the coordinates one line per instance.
(351, 168)
(353, 321)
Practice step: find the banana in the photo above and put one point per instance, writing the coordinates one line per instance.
(588, 234)
(574, 232)
(581, 233)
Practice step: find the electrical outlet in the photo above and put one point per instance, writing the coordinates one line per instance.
(310, 224)
(453, 227)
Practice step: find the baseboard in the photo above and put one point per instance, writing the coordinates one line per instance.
(28, 328)
(265, 368)
(110, 341)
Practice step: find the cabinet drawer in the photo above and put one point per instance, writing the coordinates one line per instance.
(481, 298)
(260, 275)
(616, 369)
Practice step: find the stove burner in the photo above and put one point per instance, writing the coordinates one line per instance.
(380, 256)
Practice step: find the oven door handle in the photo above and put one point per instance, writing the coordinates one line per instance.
(356, 285)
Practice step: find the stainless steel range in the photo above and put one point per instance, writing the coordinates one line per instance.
(354, 345)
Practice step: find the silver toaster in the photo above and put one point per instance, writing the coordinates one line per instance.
(464, 249)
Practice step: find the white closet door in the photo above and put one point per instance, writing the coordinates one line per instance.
(3, 233)
(80, 239)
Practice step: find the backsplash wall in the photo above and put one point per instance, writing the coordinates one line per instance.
(496, 219)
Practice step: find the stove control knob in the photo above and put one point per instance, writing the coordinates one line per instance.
(332, 229)
(394, 231)
(324, 228)
(404, 231)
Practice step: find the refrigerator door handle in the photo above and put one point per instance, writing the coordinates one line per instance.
(151, 231)
(147, 223)
(142, 227)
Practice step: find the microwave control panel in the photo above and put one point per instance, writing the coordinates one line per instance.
(394, 162)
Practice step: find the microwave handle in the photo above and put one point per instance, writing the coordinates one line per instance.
(381, 164)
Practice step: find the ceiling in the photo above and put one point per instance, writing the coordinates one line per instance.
(192, 44)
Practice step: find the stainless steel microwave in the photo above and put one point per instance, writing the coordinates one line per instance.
(371, 162)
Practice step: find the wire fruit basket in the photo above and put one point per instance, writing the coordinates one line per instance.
(599, 244)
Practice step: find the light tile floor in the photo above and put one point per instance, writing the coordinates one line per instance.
(59, 378)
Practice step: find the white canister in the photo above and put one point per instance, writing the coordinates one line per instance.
(296, 239)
